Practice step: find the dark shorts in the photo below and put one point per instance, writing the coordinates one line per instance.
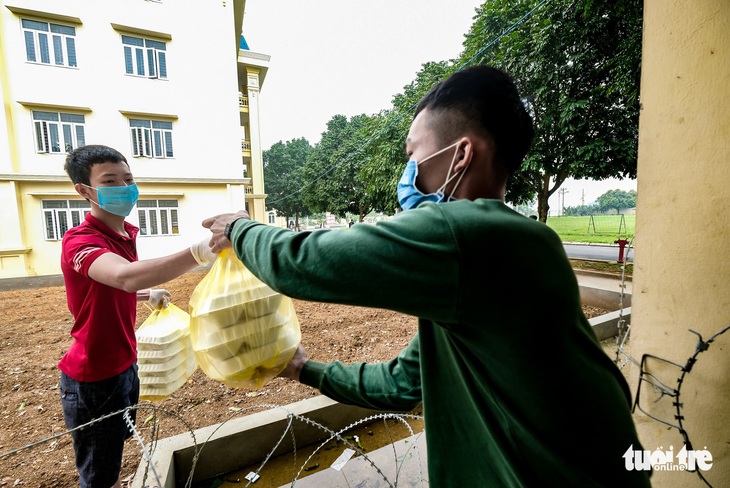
(99, 446)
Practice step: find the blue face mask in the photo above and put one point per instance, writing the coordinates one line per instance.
(118, 200)
(409, 196)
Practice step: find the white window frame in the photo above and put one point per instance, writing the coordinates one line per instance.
(151, 138)
(58, 136)
(145, 57)
(61, 215)
(158, 217)
(53, 46)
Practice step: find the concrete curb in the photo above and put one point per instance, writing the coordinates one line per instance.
(602, 274)
(596, 244)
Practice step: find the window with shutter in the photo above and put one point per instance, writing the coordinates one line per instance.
(158, 217)
(142, 215)
(58, 132)
(48, 43)
(50, 225)
(151, 138)
(144, 57)
(58, 213)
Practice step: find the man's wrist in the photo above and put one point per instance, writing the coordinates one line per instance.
(229, 228)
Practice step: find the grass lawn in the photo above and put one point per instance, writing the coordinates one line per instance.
(598, 229)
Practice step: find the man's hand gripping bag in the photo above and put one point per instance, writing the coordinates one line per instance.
(164, 354)
(243, 332)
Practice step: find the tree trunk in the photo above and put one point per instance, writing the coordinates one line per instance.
(542, 199)
(545, 192)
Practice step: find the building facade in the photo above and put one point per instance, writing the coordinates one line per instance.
(166, 88)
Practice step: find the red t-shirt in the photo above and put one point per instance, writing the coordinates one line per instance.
(104, 342)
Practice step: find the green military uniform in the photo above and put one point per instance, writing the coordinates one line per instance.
(516, 389)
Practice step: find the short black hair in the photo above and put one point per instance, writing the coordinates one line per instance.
(79, 161)
(482, 99)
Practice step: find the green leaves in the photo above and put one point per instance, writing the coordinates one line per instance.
(617, 200)
(283, 164)
(578, 63)
(333, 169)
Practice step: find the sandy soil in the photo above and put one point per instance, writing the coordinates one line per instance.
(34, 326)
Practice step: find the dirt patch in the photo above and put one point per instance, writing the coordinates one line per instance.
(34, 327)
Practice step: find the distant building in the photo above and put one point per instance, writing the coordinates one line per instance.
(170, 89)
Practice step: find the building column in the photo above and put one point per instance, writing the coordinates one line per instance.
(13, 251)
(257, 203)
(682, 261)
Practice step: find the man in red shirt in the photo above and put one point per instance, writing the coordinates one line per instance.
(104, 280)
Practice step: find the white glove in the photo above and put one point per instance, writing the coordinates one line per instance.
(159, 297)
(202, 252)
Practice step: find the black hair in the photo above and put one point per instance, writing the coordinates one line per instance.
(482, 99)
(79, 161)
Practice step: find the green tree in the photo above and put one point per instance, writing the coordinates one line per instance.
(581, 210)
(283, 178)
(333, 170)
(577, 62)
(617, 199)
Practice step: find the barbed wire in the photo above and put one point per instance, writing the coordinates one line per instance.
(148, 450)
(146, 455)
(333, 435)
(338, 436)
(675, 393)
(624, 329)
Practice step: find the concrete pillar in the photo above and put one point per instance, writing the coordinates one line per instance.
(682, 261)
(257, 208)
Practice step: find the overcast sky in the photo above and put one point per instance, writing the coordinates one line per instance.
(349, 57)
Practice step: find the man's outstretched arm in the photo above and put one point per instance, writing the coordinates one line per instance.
(393, 385)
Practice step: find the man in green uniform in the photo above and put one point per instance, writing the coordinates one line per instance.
(514, 394)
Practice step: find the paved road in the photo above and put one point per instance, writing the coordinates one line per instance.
(603, 252)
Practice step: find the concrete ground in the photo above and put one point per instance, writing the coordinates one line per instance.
(30, 282)
(592, 279)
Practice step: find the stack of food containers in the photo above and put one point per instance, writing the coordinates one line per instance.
(243, 332)
(164, 353)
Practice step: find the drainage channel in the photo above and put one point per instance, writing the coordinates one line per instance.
(312, 465)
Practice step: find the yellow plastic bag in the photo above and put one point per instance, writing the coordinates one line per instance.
(243, 332)
(165, 355)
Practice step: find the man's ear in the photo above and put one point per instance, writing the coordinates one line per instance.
(82, 190)
(464, 153)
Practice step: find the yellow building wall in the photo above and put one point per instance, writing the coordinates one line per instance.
(195, 204)
(13, 253)
(200, 97)
(682, 264)
(200, 94)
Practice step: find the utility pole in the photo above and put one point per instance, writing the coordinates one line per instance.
(562, 193)
(583, 198)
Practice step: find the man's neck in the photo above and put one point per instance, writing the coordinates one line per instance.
(114, 222)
